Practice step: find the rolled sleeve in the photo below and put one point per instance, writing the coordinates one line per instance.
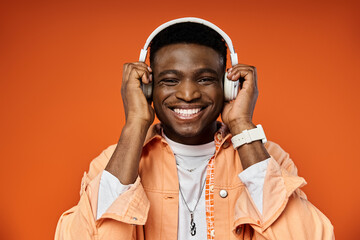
(132, 206)
(253, 177)
(286, 210)
(109, 190)
(278, 186)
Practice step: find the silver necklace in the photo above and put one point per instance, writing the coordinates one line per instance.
(189, 170)
(192, 223)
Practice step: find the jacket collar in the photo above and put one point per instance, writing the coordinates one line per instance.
(156, 130)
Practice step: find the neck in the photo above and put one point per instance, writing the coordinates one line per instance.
(206, 136)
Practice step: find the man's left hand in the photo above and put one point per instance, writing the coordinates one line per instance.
(237, 114)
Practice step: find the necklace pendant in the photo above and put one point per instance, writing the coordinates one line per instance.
(192, 225)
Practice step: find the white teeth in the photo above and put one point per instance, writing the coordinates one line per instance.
(187, 112)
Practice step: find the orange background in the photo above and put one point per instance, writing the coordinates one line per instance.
(60, 71)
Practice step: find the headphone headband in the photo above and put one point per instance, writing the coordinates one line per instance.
(233, 55)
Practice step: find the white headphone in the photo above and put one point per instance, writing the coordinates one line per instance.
(231, 88)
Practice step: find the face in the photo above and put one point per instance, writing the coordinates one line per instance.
(188, 93)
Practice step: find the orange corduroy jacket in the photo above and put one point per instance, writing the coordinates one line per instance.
(149, 209)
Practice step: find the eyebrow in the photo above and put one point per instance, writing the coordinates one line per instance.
(197, 72)
(206, 70)
(175, 72)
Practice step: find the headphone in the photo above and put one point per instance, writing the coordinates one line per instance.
(231, 88)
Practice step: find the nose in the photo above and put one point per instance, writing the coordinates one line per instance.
(188, 91)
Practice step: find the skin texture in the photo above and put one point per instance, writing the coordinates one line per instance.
(186, 76)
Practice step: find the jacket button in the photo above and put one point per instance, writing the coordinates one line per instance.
(211, 188)
(223, 193)
(212, 233)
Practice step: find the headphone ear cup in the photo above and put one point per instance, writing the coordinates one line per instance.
(231, 88)
(147, 90)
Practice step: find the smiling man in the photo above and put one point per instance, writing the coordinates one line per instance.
(191, 177)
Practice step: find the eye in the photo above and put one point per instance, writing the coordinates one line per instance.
(169, 82)
(206, 80)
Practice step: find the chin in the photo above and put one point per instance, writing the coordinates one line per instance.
(192, 135)
(186, 132)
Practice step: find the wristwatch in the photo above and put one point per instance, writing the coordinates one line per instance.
(248, 136)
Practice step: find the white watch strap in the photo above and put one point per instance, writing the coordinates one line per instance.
(248, 136)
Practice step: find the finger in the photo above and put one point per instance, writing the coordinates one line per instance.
(241, 66)
(238, 73)
(140, 72)
(126, 74)
(232, 71)
(147, 77)
(142, 64)
(141, 75)
(255, 77)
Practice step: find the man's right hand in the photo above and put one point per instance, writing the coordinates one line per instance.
(137, 108)
(124, 162)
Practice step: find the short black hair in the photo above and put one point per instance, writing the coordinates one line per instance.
(189, 32)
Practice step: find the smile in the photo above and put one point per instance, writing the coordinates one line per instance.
(187, 113)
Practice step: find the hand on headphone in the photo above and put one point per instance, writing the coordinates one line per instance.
(136, 106)
(237, 114)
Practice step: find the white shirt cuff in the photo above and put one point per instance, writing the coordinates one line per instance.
(109, 190)
(253, 177)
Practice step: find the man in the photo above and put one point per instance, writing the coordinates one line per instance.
(182, 179)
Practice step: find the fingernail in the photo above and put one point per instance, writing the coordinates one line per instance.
(150, 78)
(149, 68)
(229, 70)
